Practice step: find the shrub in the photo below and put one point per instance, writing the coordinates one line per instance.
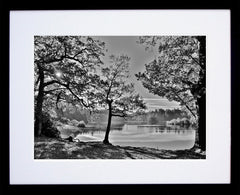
(58, 123)
(74, 122)
(171, 122)
(178, 121)
(193, 121)
(48, 127)
(153, 120)
(185, 121)
(64, 120)
(81, 124)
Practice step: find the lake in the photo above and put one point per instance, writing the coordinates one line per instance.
(160, 137)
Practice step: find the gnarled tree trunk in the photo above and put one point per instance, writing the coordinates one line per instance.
(202, 122)
(38, 111)
(106, 141)
(201, 100)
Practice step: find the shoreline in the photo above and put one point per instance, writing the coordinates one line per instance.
(57, 148)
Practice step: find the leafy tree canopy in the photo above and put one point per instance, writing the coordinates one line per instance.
(115, 87)
(176, 72)
(68, 64)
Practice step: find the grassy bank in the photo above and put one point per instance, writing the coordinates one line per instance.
(51, 148)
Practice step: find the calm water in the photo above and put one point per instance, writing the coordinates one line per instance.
(161, 137)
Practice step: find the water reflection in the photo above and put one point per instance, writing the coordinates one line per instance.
(165, 137)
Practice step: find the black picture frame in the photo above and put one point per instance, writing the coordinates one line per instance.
(145, 188)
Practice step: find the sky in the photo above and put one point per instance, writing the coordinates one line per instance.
(139, 57)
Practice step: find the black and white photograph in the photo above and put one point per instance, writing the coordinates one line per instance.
(120, 97)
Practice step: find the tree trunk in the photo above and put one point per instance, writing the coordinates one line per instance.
(201, 101)
(106, 141)
(202, 122)
(38, 111)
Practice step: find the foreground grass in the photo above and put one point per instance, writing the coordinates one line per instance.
(49, 148)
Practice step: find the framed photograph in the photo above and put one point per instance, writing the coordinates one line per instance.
(121, 97)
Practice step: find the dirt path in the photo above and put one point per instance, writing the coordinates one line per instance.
(48, 148)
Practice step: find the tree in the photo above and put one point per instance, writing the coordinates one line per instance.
(153, 120)
(178, 73)
(115, 92)
(64, 66)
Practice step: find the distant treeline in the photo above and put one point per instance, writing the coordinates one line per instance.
(72, 112)
(157, 116)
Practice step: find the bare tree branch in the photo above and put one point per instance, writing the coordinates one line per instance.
(52, 90)
(185, 104)
(69, 89)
